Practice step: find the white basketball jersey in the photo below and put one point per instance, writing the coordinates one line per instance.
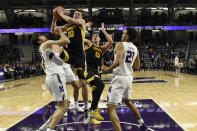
(130, 54)
(66, 65)
(51, 67)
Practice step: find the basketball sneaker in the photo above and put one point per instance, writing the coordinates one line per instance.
(94, 121)
(98, 110)
(96, 115)
(86, 116)
(77, 108)
(65, 114)
(53, 57)
(143, 127)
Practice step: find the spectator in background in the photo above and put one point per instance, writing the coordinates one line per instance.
(195, 62)
(176, 63)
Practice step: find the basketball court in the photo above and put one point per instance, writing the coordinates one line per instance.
(166, 100)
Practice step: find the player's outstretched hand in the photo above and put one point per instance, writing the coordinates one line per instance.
(89, 24)
(60, 11)
(102, 26)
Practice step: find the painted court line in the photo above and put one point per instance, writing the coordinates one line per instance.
(169, 114)
(104, 122)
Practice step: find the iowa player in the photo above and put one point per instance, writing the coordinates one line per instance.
(76, 33)
(94, 54)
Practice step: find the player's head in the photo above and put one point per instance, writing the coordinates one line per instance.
(96, 38)
(77, 15)
(38, 38)
(129, 35)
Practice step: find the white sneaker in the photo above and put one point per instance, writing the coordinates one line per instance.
(65, 114)
(53, 57)
(45, 126)
(77, 108)
(86, 117)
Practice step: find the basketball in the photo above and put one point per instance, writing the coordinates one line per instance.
(55, 13)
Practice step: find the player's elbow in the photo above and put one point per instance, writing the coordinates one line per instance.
(110, 42)
(118, 63)
(67, 41)
(137, 68)
(64, 42)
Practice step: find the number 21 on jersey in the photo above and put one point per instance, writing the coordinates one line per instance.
(129, 56)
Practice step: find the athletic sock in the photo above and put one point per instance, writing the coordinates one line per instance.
(76, 103)
(141, 121)
(48, 129)
(86, 105)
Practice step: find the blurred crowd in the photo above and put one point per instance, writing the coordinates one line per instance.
(22, 20)
(152, 20)
(20, 71)
(188, 19)
(184, 19)
(160, 55)
(109, 16)
(9, 54)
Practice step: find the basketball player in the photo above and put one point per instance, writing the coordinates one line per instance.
(126, 57)
(94, 54)
(55, 80)
(76, 33)
(176, 63)
(70, 77)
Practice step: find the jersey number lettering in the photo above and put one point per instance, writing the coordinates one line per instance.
(129, 57)
(97, 55)
(71, 34)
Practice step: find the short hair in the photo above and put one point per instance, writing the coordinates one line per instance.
(132, 34)
(80, 12)
(34, 38)
(96, 33)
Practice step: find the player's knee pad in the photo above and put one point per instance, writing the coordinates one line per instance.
(64, 55)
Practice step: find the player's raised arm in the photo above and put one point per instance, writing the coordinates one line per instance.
(87, 42)
(62, 41)
(109, 39)
(54, 22)
(42, 66)
(119, 50)
(136, 63)
(53, 25)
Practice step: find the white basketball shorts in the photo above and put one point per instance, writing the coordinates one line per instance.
(56, 84)
(70, 76)
(120, 88)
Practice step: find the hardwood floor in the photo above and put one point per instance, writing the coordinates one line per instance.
(177, 96)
